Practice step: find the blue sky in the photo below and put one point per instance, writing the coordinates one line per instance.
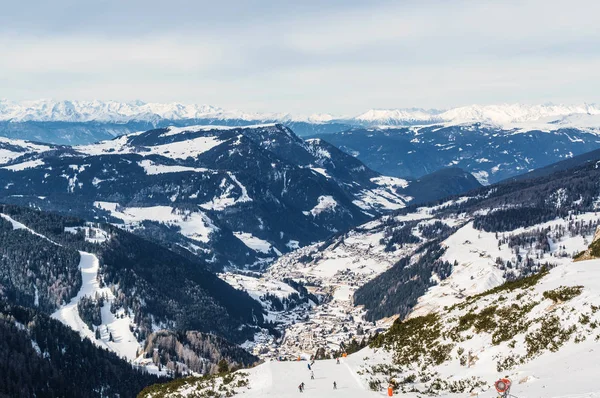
(303, 56)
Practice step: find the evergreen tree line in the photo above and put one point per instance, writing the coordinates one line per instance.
(195, 351)
(35, 272)
(41, 357)
(397, 290)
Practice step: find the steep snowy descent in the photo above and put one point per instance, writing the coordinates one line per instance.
(115, 333)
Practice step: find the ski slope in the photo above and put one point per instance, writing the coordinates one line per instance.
(281, 380)
(124, 342)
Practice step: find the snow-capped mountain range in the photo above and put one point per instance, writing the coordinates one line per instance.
(235, 196)
(120, 112)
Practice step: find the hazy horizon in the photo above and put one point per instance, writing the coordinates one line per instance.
(339, 57)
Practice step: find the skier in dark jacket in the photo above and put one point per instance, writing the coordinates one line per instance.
(334, 385)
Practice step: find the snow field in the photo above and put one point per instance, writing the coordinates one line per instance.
(125, 344)
(31, 164)
(325, 203)
(152, 168)
(568, 372)
(475, 253)
(194, 225)
(257, 244)
(281, 380)
(226, 199)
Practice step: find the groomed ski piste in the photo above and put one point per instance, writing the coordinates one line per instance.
(123, 341)
(281, 379)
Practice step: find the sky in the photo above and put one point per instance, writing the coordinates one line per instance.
(310, 56)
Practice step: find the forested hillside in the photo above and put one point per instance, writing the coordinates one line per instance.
(529, 217)
(489, 152)
(150, 288)
(43, 358)
(230, 196)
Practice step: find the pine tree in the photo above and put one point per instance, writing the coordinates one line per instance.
(223, 366)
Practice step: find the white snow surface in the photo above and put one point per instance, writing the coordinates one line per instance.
(475, 253)
(509, 116)
(567, 373)
(195, 225)
(113, 111)
(152, 168)
(125, 344)
(394, 182)
(25, 147)
(174, 150)
(225, 199)
(255, 243)
(281, 380)
(325, 203)
(30, 164)
(384, 197)
(257, 287)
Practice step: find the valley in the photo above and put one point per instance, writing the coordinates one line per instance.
(208, 199)
(323, 256)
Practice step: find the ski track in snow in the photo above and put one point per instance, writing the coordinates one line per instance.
(125, 344)
(281, 379)
(18, 225)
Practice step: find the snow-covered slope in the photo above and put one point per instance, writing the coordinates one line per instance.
(276, 379)
(504, 115)
(11, 149)
(235, 196)
(46, 269)
(424, 258)
(114, 111)
(541, 333)
(115, 330)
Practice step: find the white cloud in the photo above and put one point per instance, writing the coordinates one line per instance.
(344, 56)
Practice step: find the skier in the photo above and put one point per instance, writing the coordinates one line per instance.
(312, 375)
(302, 385)
(308, 364)
(300, 388)
(334, 385)
(338, 360)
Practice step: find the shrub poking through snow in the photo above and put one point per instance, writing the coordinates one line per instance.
(563, 293)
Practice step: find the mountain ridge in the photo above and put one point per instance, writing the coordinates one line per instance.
(115, 111)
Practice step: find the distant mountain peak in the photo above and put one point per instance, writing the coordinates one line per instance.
(503, 115)
(509, 115)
